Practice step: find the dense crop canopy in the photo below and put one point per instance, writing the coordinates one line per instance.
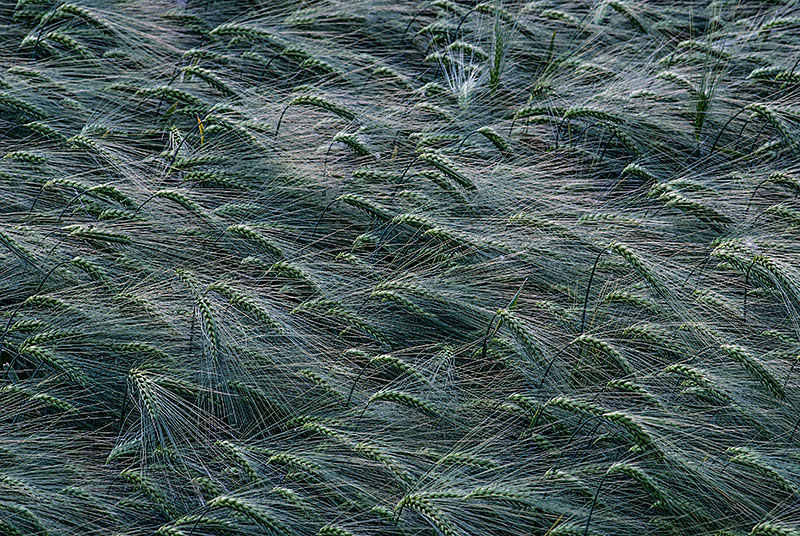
(399, 267)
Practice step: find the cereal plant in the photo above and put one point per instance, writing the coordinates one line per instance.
(399, 267)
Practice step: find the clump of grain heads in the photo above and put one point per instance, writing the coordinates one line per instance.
(350, 268)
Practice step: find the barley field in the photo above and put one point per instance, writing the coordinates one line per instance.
(399, 267)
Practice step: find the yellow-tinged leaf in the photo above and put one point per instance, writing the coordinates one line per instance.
(202, 129)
